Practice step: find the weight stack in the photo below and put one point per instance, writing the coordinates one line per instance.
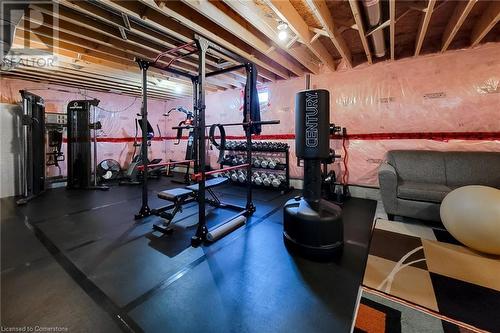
(79, 145)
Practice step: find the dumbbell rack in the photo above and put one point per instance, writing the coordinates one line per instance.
(280, 167)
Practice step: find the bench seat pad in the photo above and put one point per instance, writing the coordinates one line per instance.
(174, 194)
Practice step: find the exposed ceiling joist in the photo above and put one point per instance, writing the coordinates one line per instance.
(322, 13)
(361, 29)
(460, 13)
(179, 12)
(381, 26)
(86, 28)
(228, 23)
(424, 24)
(251, 13)
(84, 68)
(488, 20)
(142, 38)
(85, 37)
(97, 40)
(108, 48)
(287, 13)
(91, 56)
(152, 15)
(169, 33)
(392, 26)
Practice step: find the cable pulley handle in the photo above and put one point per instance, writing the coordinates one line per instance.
(179, 133)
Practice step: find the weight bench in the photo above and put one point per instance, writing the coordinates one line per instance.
(182, 196)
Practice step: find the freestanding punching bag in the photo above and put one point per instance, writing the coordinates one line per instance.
(312, 225)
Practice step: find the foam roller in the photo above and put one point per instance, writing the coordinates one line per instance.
(226, 228)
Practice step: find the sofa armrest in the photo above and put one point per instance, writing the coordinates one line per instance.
(388, 180)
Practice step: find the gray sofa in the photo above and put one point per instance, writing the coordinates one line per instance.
(414, 182)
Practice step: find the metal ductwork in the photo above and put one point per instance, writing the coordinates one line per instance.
(373, 13)
(10, 16)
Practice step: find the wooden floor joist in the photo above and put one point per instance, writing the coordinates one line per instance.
(97, 41)
(287, 13)
(94, 58)
(267, 26)
(323, 14)
(460, 13)
(107, 51)
(180, 12)
(138, 34)
(168, 26)
(222, 19)
(424, 24)
(487, 21)
(361, 29)
(81, 25)
(392, 26)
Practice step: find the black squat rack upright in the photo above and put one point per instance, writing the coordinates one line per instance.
(200, 47)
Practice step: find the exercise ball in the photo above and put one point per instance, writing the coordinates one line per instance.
(472, 215)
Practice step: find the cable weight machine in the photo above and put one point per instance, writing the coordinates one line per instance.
(33, 152)
(80, 139)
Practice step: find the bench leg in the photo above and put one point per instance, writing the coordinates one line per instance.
(168, 216)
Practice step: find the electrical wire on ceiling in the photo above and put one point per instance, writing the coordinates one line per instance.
(84, 94)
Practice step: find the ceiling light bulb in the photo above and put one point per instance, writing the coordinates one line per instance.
(282, 35)
(282, 25)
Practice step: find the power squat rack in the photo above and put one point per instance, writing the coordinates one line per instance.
(200, 46)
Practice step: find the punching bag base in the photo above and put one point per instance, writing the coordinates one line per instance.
(316, 234)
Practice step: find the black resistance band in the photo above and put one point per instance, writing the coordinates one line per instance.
(222, 144)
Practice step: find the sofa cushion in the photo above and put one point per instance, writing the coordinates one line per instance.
(472, 168)
(422, 191)
(418, 166)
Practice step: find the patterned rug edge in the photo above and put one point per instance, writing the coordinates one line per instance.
(421, 309)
